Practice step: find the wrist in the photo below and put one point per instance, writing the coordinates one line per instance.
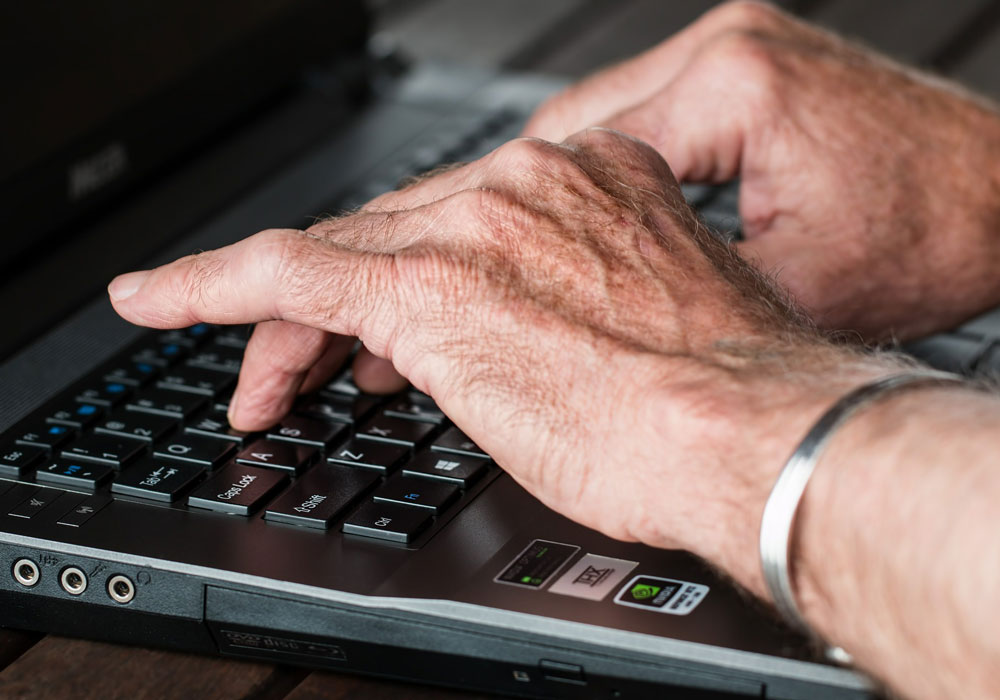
(740, 438)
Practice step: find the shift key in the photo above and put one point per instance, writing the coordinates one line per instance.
(318, 498)
(237, 489)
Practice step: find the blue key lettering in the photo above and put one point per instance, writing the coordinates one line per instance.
(412, 496)
(57, 430)
(87, 410)
(114, 388)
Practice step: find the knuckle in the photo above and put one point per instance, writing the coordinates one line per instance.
(523, 154)
(746, 14)
(746, 58)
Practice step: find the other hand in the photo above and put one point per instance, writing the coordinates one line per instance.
(870, 190)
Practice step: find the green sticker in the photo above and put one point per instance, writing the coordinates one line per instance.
(642, 591)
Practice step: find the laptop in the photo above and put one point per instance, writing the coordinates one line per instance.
(361, 534)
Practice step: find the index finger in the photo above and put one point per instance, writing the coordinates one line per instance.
(276, 274)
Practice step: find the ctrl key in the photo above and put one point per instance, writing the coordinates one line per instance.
(387, 521)
(237, 489)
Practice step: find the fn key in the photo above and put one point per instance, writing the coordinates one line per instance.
(387, 521)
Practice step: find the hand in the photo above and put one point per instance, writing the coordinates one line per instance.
(562, 306)
(871, 191)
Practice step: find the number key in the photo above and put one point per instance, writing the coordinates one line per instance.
(132, 424)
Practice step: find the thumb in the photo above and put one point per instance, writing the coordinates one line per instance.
(701, 133)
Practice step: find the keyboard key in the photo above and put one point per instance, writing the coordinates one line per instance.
(344, 384)
(218, 358)
(176, 404)
(421, 493)
(15, 460)
(157, 480)
(83, 510)
(278, 455)
(337, 407)
(190, 337)
(457, 469)
(196, 380)
(237, 489)
(395, 430)
(135, 425)
(47, 436)
(215, 424)
(159, 354)
(80, 415)
(414, 410)
(82, 475)
(134, 374)
(388, 521)
(308, 432)
(380, 456)
(111, 450)
(454, 440)
(320, 496)
(234, 336)
(106, 394)
(38, 501)
(195, 449)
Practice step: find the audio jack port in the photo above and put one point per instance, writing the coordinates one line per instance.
(121, 589)
(26, 572)
(73, 580)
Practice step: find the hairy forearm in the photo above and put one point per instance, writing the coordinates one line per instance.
(897, 557)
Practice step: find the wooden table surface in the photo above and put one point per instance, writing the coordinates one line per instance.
(570, 37)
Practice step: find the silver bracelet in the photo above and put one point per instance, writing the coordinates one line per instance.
(783, 503)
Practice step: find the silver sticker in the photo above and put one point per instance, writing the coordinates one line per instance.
(593, 577)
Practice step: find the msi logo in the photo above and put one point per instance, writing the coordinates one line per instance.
(97, 170)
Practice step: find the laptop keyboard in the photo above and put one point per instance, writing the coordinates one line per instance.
(150, 427)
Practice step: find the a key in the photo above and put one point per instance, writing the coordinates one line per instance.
(133, 374)
(454, 440)
(414, 410)
(159, 354)
(47, 436)
(105, 394)
(38, 501)
(217, 357)
(344, 384)
(380, 456)
(157, 480)
(135, 425)
(278, 455)
(457, 469)
(215, 424)
(320, 496)
(79, 415)
(234, 336)
(237, 489)
(196, 380)
(83, 510)
(77, 474)
(337, 407)
(190, 337)
(112, 450)
(388, 521)
(15, 460)
(307, 431)
(420, 493)
(176, 404)
(195, 449)
(395, 430)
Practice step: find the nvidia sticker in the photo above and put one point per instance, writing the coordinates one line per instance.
(664, 595)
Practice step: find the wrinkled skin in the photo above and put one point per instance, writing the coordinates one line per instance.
(871, 191)
(564, 308)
